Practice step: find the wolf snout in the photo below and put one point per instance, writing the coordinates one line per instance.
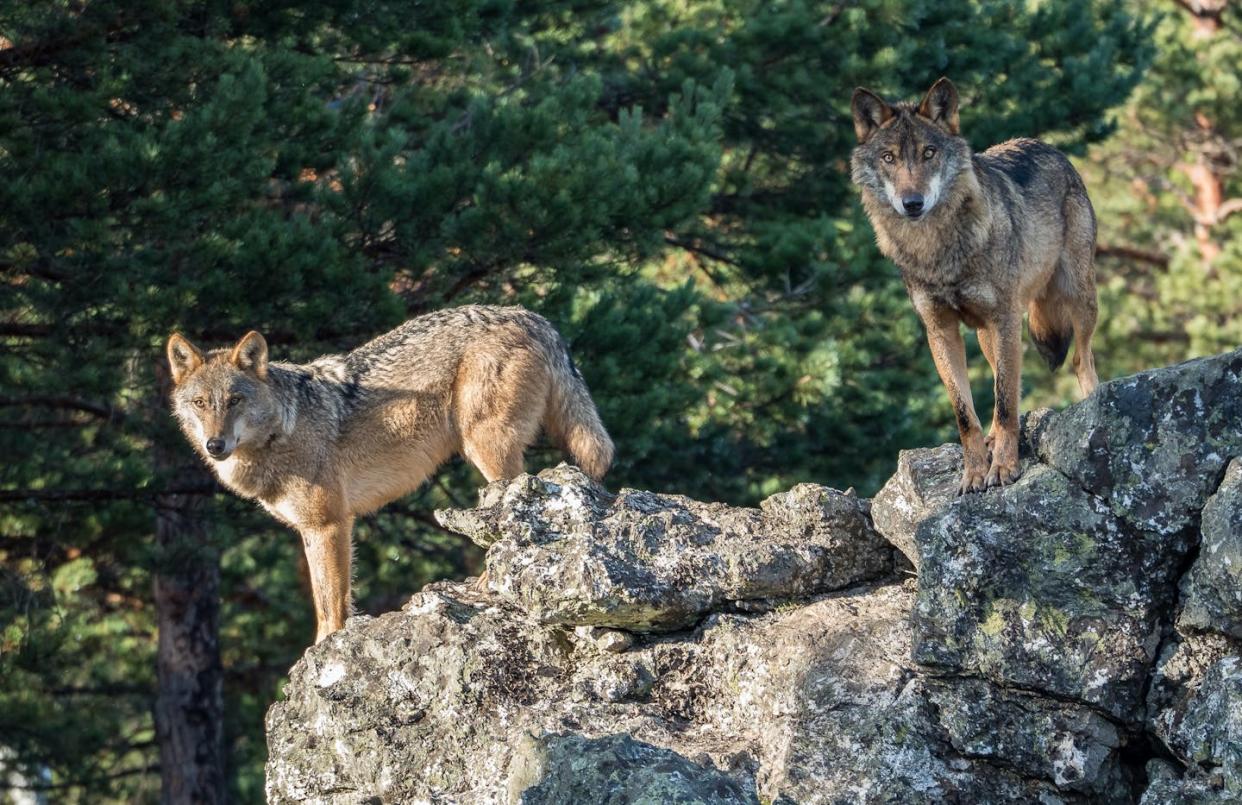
(913, 204)
(216, 448)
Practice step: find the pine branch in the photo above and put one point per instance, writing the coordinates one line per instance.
(87, 495)
(44, 52)
(151, 768)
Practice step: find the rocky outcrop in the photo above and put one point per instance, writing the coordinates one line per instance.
(565, 551)
(1071, 638)
(1212, 590)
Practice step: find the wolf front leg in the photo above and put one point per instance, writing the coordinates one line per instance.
(1005, 336)
(328, 554)
(944, 336)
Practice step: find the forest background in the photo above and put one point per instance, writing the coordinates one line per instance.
(666, 180)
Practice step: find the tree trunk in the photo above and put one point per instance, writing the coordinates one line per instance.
(1205, 15)
(189, 706)
(1206, 173)
(1209, 193)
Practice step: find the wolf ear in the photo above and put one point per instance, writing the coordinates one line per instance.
(250, 354)
(940, 104)
(870, 112)
(183, 357)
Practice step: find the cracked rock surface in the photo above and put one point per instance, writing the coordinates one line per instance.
(1074, 637)
(565, 551)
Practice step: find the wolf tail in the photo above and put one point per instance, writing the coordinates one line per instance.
(1051, 334)
(573, 420)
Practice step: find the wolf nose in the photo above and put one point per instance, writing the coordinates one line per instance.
(913, 203)
(215, 446)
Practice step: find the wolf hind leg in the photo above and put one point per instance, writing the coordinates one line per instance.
(1075, 281)
(501, 401)
(1066, 313)
(492, 451)
(1083, 311)
(1084, 357)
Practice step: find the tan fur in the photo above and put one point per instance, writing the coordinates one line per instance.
(980, 239)
(322, 443)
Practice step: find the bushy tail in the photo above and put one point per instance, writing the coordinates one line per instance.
(573, 421)
(1052, 347)
(1051, 333)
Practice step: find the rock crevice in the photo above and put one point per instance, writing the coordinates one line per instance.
(1076, 637)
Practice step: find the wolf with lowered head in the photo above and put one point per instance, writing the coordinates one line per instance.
(318, 444)
(980, 239)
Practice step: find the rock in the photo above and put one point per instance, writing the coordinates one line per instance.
(459, 699)
(1167, 786)
(1195, 708)
(566, 552)
(1063, 641)
(1209, 731)
(602, 639)
(926, 478)
(1179, 673)
(1154, 445)
(1038, 585)
(617, 770)
(1212, 590)
(838, 713)
(1073, 746)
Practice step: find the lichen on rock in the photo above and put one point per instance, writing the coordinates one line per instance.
(1071, 638)
(565, 551)
(1212, 590)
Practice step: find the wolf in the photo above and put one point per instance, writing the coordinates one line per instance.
(321, 443)
(979, 239)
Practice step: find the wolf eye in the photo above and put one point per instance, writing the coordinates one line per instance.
(199, 402)
(929, 152)
(888, 157)
(234, 400)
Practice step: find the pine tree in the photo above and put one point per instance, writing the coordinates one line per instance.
(817, 365)
(317, 172)
(1169, 196)
(665, 181)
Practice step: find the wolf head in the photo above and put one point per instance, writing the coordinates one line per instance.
(222, 398)
(908, 156)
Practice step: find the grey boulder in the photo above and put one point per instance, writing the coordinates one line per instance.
(1073, 637)
(565, 551)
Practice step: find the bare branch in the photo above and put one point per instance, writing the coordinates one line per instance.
(116, 775)
(1133, 253)
(698, 247)
(1228, 208)
(19, 330)
(86, 495)
(100, 410)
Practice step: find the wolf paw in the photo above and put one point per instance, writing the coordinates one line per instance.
(974, 479)
(1003, 473)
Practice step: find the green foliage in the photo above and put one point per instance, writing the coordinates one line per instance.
(1164, 301)
(666, 181)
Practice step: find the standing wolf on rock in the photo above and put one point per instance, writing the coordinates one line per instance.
(980, 238)
(320, 443)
